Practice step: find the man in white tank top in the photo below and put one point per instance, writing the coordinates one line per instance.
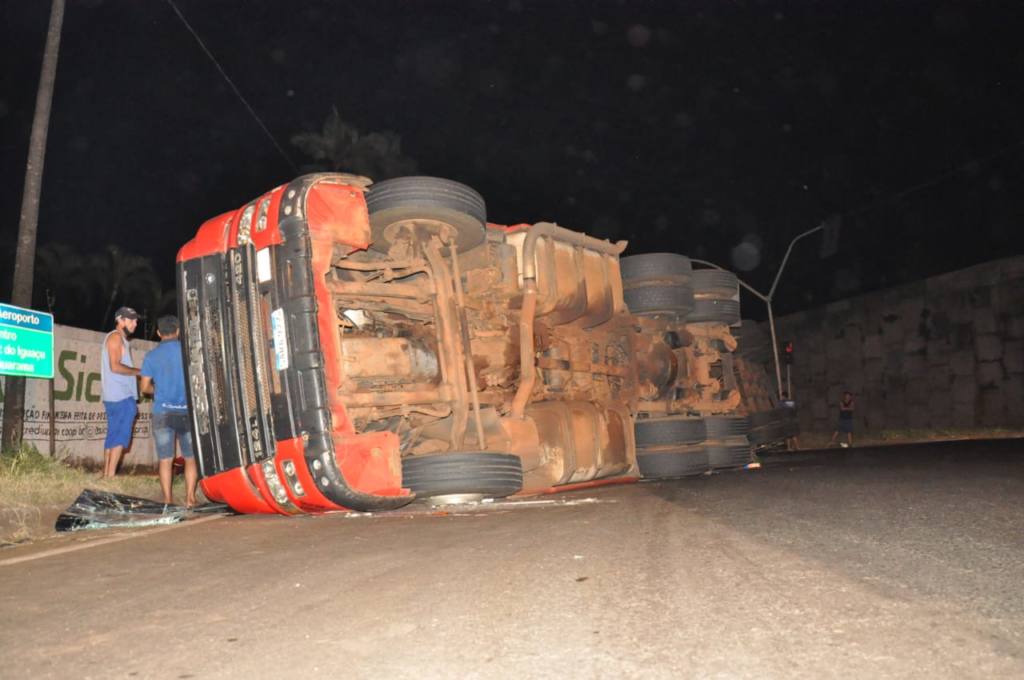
(120, 392)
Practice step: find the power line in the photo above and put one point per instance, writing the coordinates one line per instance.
(232, 84)
(913, 189)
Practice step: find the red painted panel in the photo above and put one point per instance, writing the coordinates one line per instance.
(236, 489)
(271, 236)
(508, 229)
(337, 212)
(260, 482)
(312, 501)
(211, 238)
(371, 463)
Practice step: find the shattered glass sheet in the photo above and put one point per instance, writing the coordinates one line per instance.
(106, 510)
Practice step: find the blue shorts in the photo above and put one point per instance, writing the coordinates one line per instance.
(165, 426)
(120, 419)
(846, 425)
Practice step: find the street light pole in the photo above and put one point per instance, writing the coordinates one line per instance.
(768, 300)
(785, 259)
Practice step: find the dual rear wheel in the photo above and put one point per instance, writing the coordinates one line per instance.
(681, 446)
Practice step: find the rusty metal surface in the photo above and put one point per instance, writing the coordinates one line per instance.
(432, 342)
(580, 442)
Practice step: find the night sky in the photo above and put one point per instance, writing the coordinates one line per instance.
(719, 130)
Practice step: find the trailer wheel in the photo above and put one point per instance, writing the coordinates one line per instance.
(773, 426)
(715, 283)
(652, 300)
(683, 461)
(426, 198)
(722, 427)
(655, 266)
(493, 475)
(730, 453)
(657, 283)
(714, 310)
(713, 293)
(668, 431)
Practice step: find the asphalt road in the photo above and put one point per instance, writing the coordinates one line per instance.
(862, 563)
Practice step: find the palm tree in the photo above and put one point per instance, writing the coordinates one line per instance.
(340, 146)
(152, 304)
(63, 283)
(123, 279)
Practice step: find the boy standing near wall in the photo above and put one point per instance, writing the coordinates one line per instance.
(164, 367)
(845, 425)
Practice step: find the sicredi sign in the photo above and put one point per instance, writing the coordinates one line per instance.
(26, 342)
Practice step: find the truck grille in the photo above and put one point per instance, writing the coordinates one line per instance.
(226, 355)
(195, 365)
(252, 351)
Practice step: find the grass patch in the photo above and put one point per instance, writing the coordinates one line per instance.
(34, 488)
(28, 477)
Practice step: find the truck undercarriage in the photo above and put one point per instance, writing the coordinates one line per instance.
(356, 346)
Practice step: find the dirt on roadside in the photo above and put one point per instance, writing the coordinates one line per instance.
(35, 489)
(21, 523)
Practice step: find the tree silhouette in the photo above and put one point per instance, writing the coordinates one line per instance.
(63, 279)
(339, 146)
(121, 278)
(152, 307)
(86, 288)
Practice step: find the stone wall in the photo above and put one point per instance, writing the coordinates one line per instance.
(946, 352)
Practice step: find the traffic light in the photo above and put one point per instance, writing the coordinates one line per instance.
(787, 352)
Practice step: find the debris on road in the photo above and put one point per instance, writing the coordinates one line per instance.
(95, 509)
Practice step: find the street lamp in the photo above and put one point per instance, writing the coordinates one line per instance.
(831, 229)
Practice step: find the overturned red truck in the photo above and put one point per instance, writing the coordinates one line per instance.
(352, 345)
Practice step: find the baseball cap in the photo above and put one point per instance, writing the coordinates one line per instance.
(126, 313)
(167, 324)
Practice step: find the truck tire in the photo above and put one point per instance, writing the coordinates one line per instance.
(657, 283)
(684, 461)
(493, 475)
(655, 266)
(730, 453)
(721, 427)
(715, 283)
(652, 300)
(771, 426)
(713, 310)
(668, 431)
(426, 198)
(770, 434)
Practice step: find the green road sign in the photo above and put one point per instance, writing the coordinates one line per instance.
(26, 342)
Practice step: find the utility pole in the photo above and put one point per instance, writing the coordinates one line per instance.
(25, 254)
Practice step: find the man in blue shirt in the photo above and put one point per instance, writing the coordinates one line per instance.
(163, 366)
